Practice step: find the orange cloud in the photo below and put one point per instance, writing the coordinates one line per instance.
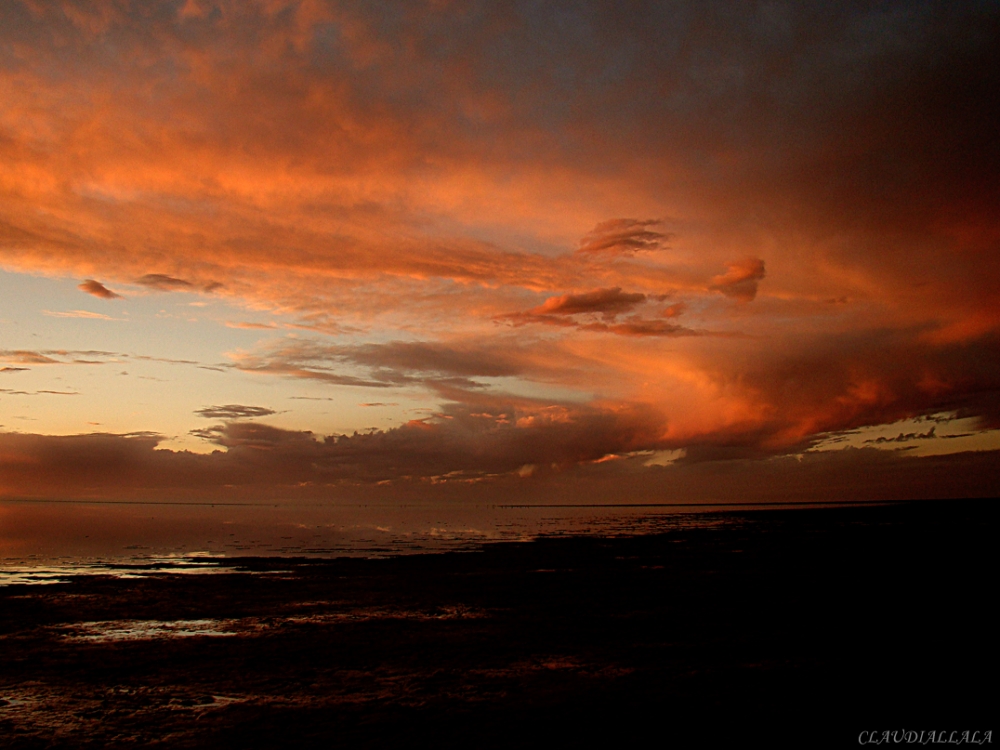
(397, 184)
(608, 301)
(97, 289)
(623, 237)
(740, 279)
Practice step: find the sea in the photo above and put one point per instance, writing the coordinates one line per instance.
(44, 542)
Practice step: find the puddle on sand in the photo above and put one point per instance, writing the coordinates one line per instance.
(114, 631)
(142, 630)
(47, 574)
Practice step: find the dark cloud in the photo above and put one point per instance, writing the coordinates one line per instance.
(606, 301)
(168, 360)
(465, 442)
(463, 360)
(904, 437)
(740, 279)
(850, 474)
(609, 304)
(524, 318)
(623, 237)
(234, 411)
(96, 288)
(38, 393)
(311, 369)
(557, 311)
(640, 327)
(481, 456)
(253, 435)
(163, 283)
(390, 364)
(77, 464)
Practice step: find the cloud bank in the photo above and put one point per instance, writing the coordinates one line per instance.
(263, 463)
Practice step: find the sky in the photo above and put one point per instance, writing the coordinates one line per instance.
(546, 252)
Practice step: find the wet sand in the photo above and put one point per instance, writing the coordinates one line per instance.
(794, 627)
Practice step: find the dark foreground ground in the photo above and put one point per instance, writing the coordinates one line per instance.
(795, 627)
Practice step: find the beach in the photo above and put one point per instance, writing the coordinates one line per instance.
(749, 624)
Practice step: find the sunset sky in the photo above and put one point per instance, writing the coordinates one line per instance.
(540, 251)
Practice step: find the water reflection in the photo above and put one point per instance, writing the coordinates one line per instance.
(43, 542)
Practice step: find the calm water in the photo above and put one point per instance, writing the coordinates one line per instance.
(45, 541)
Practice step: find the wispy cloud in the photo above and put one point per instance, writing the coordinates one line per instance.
(435, 365)
(22, 356)
(163, 283)
(85, 314)
(39, 392)
(623, 237)
(251, 326)
(57, 357)
(96, 288)
(234, 411)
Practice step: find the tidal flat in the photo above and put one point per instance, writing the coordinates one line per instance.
(802, 627)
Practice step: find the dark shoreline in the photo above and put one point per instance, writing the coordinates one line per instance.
(829, 621)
